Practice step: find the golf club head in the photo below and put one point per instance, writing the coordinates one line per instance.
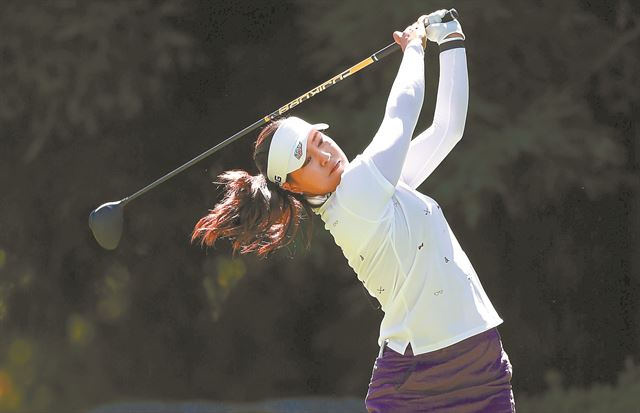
(106, 224)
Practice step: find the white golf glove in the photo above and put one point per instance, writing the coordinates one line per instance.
(438, 31)
(435, 17)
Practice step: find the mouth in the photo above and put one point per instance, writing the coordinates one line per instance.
(335, 167)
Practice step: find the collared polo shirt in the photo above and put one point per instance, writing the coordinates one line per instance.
(402, 249)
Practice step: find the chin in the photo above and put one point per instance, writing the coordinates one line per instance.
(337, 181)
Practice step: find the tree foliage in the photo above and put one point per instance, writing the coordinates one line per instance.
(72, 68)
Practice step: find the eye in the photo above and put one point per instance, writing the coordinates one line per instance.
(320, 141)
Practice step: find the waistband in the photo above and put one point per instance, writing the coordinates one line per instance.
(473, 340)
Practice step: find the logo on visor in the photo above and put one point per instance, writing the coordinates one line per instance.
(298, 152)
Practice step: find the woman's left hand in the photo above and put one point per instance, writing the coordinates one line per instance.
(415, 31)
(437, 31)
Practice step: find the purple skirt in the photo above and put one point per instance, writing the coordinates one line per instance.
(473, 375)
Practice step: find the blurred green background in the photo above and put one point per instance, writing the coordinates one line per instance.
(98, 98)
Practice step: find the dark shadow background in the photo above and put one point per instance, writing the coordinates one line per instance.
(99, 98)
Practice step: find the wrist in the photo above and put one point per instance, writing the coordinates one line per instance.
(451, 43)
(455, 35)
(415, 41)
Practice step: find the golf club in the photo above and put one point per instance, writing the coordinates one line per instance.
(106, 221)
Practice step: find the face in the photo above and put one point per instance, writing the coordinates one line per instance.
(323, 168)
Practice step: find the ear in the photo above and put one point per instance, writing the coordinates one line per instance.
(291, 187)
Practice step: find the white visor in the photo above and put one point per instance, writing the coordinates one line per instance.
(288, 149)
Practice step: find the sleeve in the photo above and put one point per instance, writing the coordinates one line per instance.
(430, 147)
(364, 191)
(389, 146)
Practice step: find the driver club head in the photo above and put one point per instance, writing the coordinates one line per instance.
(106, 224)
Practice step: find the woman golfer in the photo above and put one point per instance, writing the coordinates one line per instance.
(440, 350)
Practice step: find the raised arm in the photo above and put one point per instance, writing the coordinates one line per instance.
(430, 147)
(389, 146)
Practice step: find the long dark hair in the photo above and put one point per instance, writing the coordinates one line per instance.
(255, 214)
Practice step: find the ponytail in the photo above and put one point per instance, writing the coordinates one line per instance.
(255, 214)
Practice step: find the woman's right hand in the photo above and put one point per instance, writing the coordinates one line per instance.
(415, 31)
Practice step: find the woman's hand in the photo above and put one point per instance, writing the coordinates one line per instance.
(440, 32)
(415, 31)
(432, 18)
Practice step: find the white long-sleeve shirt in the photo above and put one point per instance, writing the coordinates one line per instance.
(396, 239)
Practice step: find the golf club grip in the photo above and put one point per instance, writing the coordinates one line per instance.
(394, 47)
(450, 15)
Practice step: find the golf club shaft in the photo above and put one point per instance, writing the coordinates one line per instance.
(263, 121)
(377, 56)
